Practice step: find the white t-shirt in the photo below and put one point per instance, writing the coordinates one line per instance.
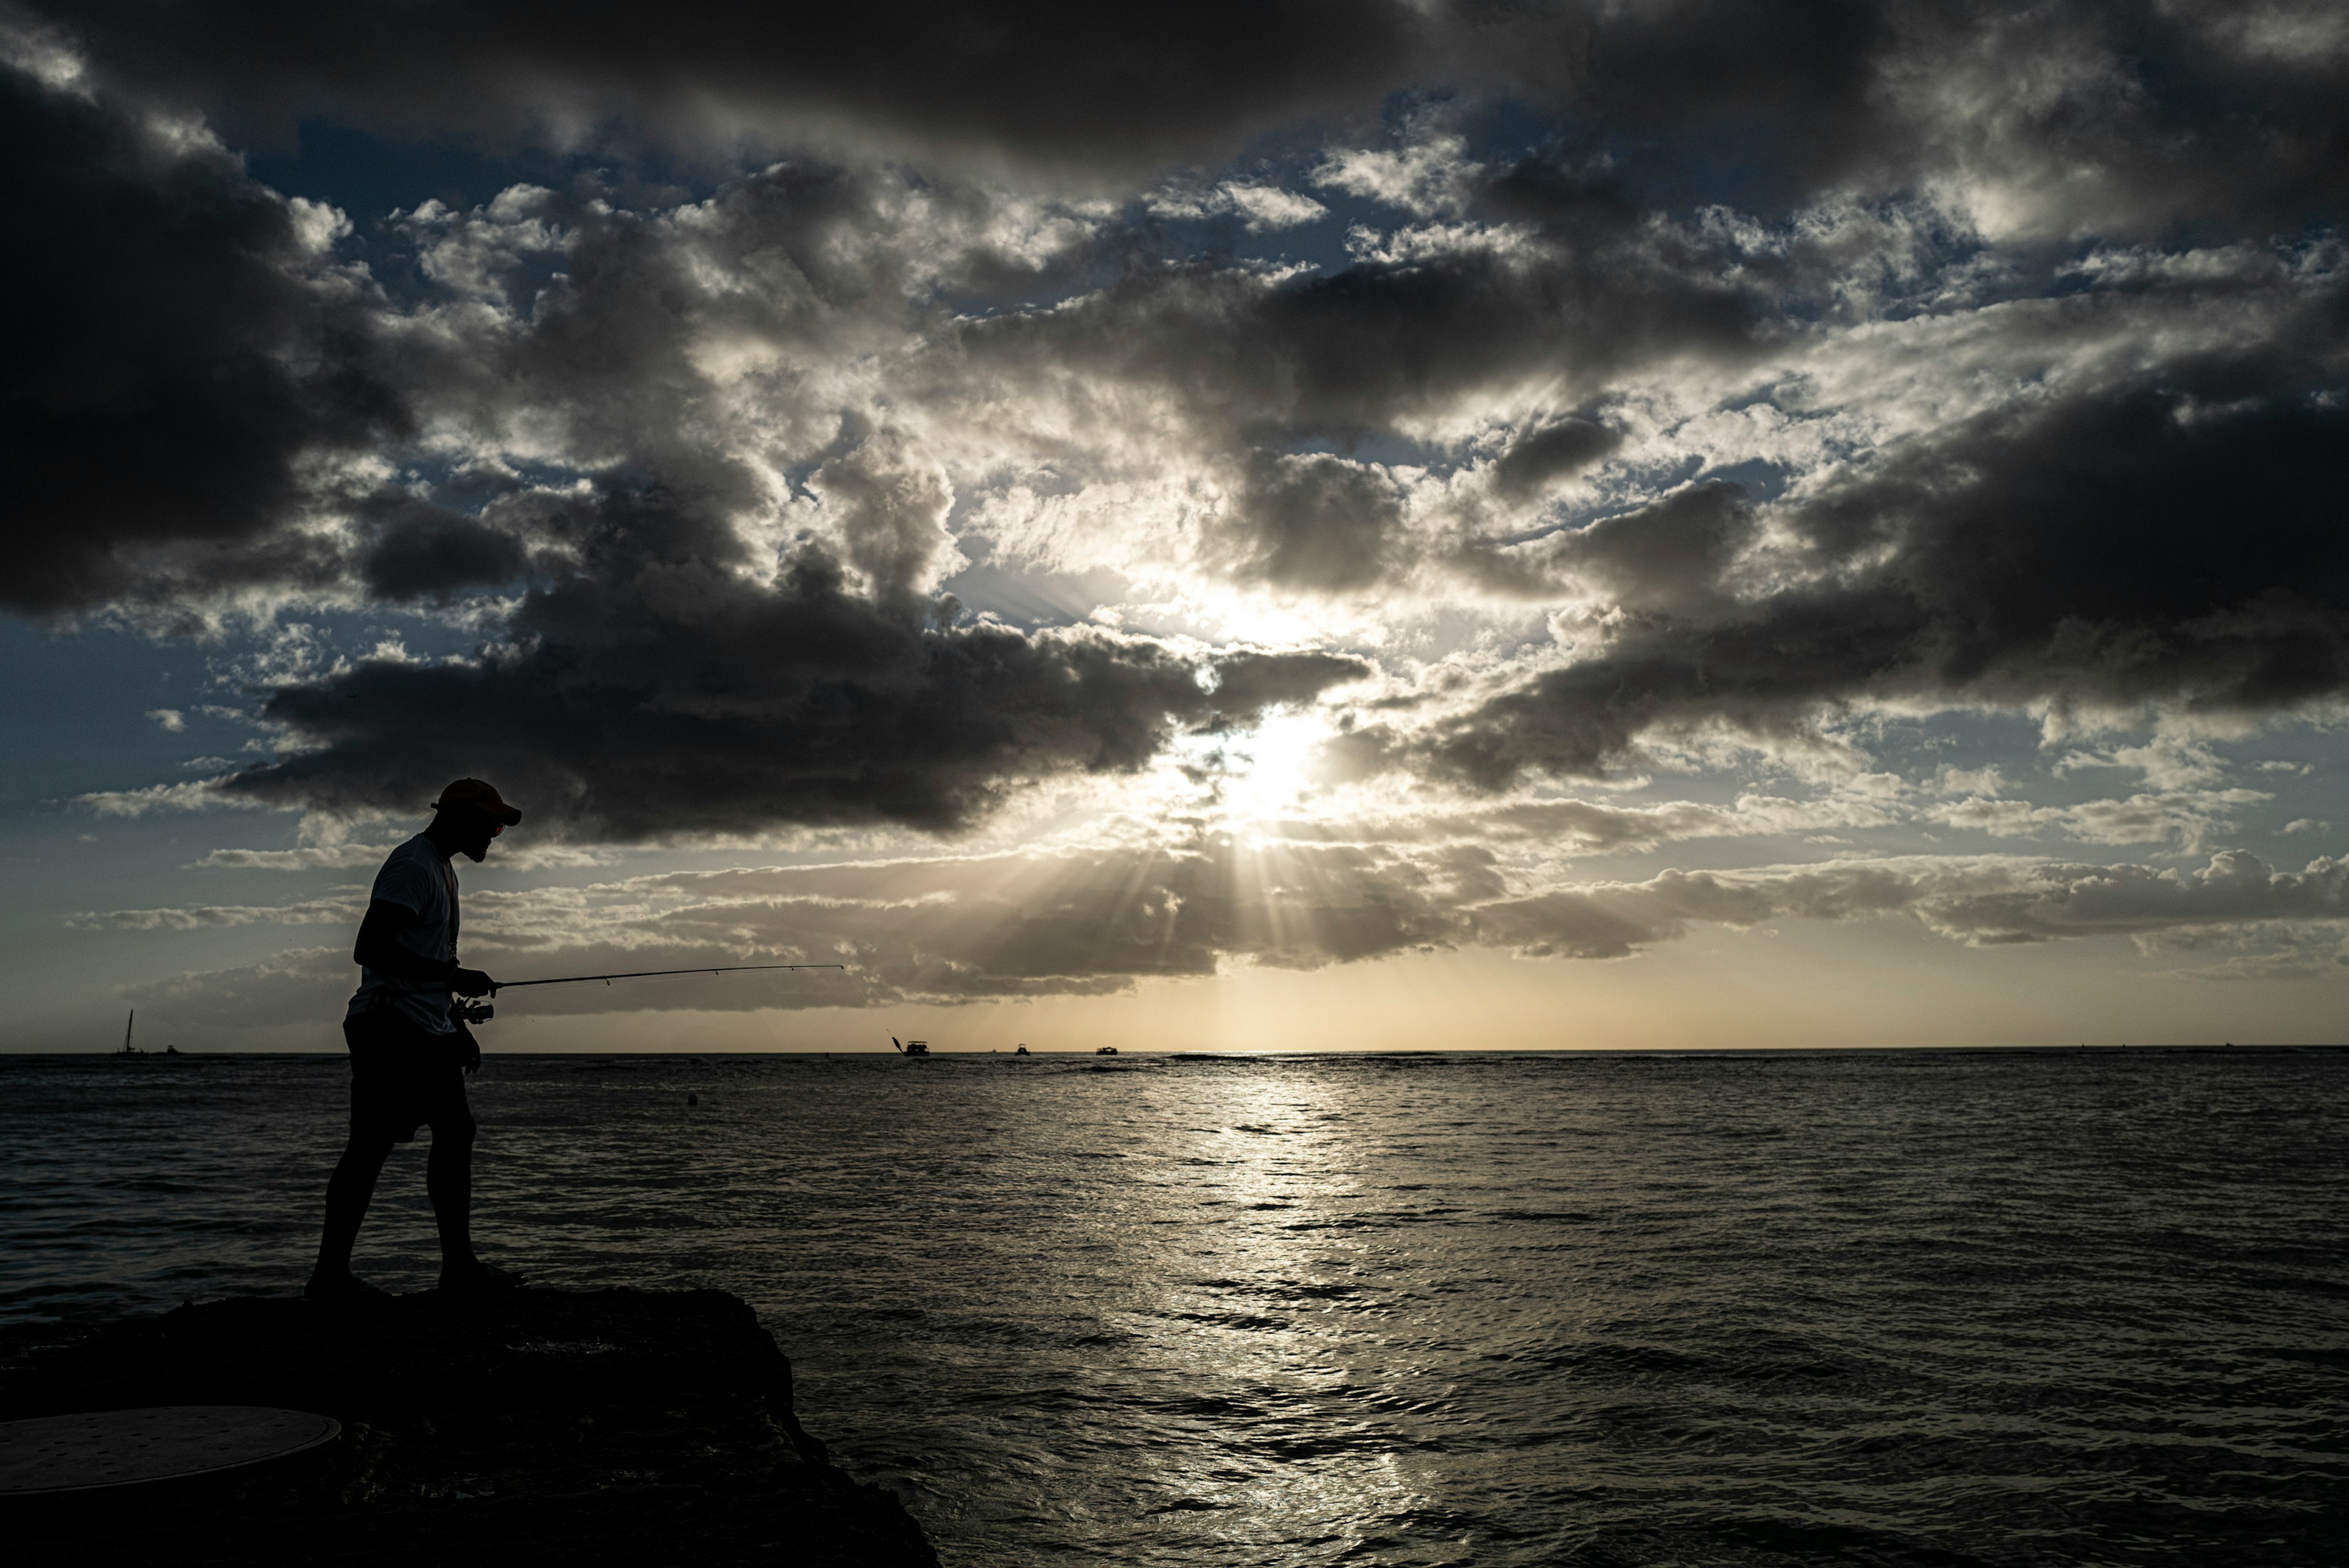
(417, 877)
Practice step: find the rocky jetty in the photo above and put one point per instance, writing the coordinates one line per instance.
(541, 1427)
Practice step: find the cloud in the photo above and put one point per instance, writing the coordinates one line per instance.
(1087, 922)
(177, 362)
(1551, 452)
(412, 549)
(1062, 90)
(1559, 827)
(341, 910)
(2062, 120)
(1429, 178)
(2035, 121)
(1318, 522)
(2264, 951)
(2167, 762)
(1667, 559)
(1691, 380)
(300, 985)
(1071, 92)
(1989, 781)
(171, 719)
(195, 794)
(1987, 901)
(655, 693)
(1248, 360)
(348, 855)
(2069, 556)
(2188, 818)
(893, 513)
(946, 929)
(1262, 208)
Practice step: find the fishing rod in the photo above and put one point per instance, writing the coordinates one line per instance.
(481, 1012)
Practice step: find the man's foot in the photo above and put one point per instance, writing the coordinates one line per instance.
(478, 1279)
(344, 1289)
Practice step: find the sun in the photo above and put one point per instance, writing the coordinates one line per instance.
(1271, 769)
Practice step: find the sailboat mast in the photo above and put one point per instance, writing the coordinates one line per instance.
(125, 1030)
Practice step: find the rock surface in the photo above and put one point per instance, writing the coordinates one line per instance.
(541, 1427)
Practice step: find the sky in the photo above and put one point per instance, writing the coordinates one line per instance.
(1284, 525)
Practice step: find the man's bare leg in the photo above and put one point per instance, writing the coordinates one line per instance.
(448, 1182)
(349, 1192)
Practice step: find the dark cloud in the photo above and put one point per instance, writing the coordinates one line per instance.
(2117, 119)
(1804, 81)
(415, 550)
(2133, 120)
(2174, 541)
(1249, 681)
(1314, 521)
(1554, 452)
(2133, 117)
(1662, 561)
(2177, 542)
(228, 368)
(170, 365)
(1072, 87)
(1384, 343)
(650, 691)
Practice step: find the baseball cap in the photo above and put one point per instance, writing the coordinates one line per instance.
(482, 797)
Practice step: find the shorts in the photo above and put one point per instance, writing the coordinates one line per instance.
(403, 1078)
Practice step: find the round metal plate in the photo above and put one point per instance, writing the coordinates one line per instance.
(118, 1448)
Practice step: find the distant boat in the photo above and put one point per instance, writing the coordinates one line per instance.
(911, 1047)
(127, 1048)
(1105, 1051)
(1021, 1052)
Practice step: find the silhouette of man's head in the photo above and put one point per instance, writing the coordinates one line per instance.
(468, 815)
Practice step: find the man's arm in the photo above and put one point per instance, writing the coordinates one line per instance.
(377, 949)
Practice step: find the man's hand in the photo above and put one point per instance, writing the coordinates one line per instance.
(468, 1050)
(471, 982)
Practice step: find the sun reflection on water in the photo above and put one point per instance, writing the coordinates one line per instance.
(1275, 1291)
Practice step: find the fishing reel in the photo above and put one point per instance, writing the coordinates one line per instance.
(471, 1012)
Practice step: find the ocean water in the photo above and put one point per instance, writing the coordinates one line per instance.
(1492, 1308)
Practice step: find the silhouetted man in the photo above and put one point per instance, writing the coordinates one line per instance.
(408, 1053)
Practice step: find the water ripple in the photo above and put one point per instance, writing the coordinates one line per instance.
(1892, 1308)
